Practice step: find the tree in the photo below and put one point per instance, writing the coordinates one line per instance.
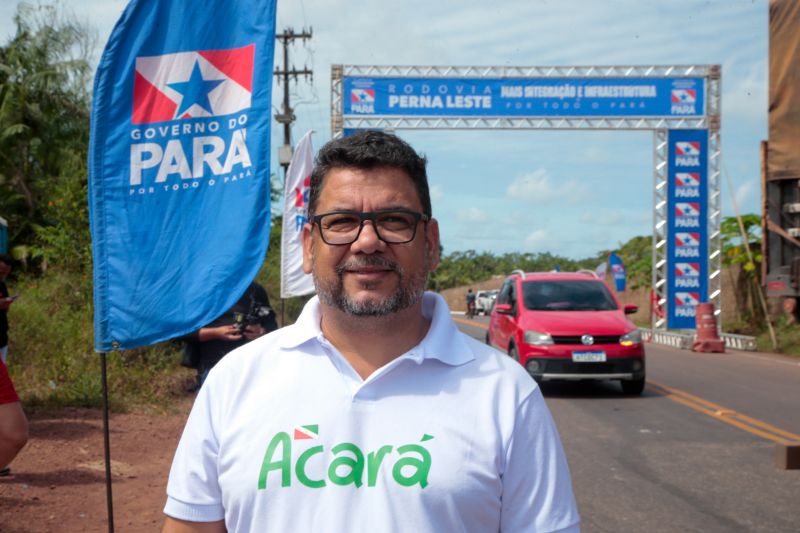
(735, 247)
(44, 117)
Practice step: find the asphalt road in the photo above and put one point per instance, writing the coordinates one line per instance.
(694, 453)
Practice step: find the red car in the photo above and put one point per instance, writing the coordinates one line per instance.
(567, 326)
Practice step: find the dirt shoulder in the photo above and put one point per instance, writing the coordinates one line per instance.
(58, 480)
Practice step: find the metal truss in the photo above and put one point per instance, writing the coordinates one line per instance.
(337, 104)
(629, 71)
(518, 123)
(714, 98)
(713, 111)
(659, 125)
(660, 233)
(660, 227)
(340, 122)
(714, 221)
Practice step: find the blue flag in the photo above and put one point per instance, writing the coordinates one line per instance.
(179, 165)
(617, 271)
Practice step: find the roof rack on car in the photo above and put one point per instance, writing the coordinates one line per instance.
(518, 271)
(588, 272)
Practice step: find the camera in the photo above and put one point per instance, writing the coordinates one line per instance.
(254, 315)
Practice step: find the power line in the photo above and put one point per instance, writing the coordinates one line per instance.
(286, 117)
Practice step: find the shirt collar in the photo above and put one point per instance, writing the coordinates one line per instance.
(305, 328)
(442, 342)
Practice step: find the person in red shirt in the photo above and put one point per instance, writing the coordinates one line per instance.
(13, 424)
(5, 304)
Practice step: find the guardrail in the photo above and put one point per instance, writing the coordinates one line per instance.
(668, 338)
(739, 342)
(684, 340)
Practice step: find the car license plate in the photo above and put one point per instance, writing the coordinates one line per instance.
(589, 357)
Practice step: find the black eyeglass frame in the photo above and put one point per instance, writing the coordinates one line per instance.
(373, 216)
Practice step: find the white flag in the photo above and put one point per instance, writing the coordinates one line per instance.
(601, 270)
(295, 282)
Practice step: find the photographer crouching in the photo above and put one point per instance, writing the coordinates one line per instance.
(251, 317)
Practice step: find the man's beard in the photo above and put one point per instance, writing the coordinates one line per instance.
(410, 288)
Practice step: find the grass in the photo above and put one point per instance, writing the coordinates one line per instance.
(787, 335)
(51, 349)
(53, 363)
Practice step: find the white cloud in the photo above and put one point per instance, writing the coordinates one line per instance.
(437, 193)
(744, 194)
(538, 187)
(616, 218)
(472, 215)
(538, 239)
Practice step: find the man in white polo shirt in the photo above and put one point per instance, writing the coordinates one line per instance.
(372, 412)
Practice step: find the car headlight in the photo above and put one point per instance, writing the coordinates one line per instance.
(631, 338)
(537, 338)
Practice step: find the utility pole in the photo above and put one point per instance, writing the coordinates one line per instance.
(286, 117)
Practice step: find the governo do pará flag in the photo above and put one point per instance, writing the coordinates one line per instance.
(179, 165)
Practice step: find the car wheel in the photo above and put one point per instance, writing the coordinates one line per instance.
(512, 353)
(632, 387)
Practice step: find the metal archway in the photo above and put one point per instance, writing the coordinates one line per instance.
(679, 103)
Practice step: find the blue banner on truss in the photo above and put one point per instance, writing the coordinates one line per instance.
(525, 97)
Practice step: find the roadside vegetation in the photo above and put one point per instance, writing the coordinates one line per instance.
(45, 75)
(464, 268)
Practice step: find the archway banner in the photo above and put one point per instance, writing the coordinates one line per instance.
(527, 97)
(179, 165)
(687, 225)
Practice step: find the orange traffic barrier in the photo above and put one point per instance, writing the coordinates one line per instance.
(707, 338)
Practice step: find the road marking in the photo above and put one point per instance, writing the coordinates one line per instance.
(719, 412)
(723, 414)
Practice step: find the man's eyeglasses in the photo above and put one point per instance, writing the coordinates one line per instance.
(393, 226)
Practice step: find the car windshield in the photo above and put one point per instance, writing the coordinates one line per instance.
(567, 295)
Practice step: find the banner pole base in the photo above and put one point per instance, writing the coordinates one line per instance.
(107, 444)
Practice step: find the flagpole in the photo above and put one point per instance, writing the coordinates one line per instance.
(107, 443)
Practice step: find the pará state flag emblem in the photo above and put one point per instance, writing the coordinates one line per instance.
(687, 298)
(687, 179)
(306, 432)
(687, 209)
(687, 269)
(687, 239)
(687, 148)
(362, 96)
(684, 96)
(184, 85)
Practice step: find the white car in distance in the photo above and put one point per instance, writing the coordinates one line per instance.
(484, 300)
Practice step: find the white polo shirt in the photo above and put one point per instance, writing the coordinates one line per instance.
(451, 436)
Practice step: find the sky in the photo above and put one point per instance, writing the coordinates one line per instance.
(569, 193)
